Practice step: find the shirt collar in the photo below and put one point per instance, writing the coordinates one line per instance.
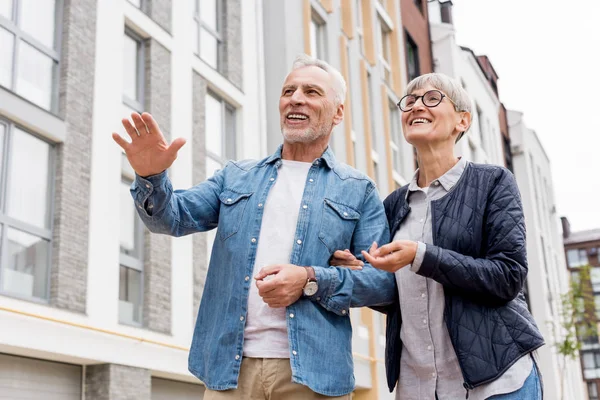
(448, 180)
(327, 157)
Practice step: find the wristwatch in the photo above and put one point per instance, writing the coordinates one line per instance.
(311, 286)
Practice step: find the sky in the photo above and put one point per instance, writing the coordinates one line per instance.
(547, 56)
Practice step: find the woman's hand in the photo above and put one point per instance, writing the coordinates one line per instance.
(345, 259)
(392, 256)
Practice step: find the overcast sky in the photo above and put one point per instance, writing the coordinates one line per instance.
(547, 55)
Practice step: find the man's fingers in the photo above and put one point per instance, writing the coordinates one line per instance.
(266, 287)
(386, 249)
(120, 141)
(176, 145)
(139, 123)
(267, 270)
(151, 124)
(131, 131)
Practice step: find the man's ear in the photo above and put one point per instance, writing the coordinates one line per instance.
(339, 114)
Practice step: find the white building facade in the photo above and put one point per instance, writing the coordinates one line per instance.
(92, 305)
(548, 276)
(483, 141)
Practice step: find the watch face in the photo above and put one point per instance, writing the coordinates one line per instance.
(311, 288)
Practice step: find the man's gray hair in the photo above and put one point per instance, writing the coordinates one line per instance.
(338, 81)
(450, 86)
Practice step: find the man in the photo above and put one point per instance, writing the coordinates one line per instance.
(278, 221)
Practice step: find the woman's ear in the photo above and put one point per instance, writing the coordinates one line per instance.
(464, 122)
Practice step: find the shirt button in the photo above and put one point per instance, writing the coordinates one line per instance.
(311, 180)
(318, 299)
(148, 186)
(299, 241)
(291, 315)
(436, 183)
(421, 220)
(259, 205)
(424, 321)
(428, 347)
(242, 318)
(237, 356)
(294, 352)
(305, 206)
(272, 179)
(343, 312)
(247, 278)
(140, 206)
(433, 374)
(422, 294)
(229, 200)
(345, 214)
(253, 240)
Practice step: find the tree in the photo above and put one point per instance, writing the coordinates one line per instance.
(577, 320)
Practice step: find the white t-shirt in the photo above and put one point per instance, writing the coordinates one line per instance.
(265, 334)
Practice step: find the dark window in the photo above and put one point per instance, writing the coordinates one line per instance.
(419, 4)
(412, 58)
(592, 390)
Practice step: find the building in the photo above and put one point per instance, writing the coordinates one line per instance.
(583, 248)
(546, 278)
(483, 142)
(89, 301)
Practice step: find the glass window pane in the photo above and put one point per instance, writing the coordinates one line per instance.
(208, 13)
(313, 38)
(130, 67)
(6, 8)
(209, 48)
(214, 126)
(37, 18)
(34, 75)
(573, 258)
(130, 290)
(28, 179)
(7, 45)
(127, 220)
(26, 273)
(230, 136)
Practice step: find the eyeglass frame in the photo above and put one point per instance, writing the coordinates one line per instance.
(423, 96)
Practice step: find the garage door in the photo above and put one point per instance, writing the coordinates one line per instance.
(31, 379)
(163, 389)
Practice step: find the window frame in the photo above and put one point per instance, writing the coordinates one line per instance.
(411, 45)
(19, 36)
(128, 261)
(7, 222)
(218, 34)
(320, 23)
(137, 104)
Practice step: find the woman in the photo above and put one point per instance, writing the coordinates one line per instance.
(459, 256)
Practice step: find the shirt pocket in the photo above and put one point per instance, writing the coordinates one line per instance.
(337, 225)
(231, 213)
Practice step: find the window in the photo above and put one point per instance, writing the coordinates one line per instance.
(131, 259)
(395, 136)
(208, 35)
(25, 212)
(359, 26)
(577, 258)
(419, 5)
(133, 72)
(591, 364)
(385, 55)
(592, 391)
(318, 40)
(371, 110)
(220, 142)
(28, 50)
(412, 57)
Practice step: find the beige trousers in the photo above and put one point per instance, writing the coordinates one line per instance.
(267, 379)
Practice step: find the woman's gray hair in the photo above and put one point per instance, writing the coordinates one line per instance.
(450, 86)
(338, 81)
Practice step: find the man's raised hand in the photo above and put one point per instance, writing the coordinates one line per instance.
(148, 153)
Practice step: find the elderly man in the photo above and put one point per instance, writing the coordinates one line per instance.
(272, 307)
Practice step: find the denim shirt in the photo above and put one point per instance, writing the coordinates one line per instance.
(340, 209)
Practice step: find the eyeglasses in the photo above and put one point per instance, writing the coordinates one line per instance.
(431, 98)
